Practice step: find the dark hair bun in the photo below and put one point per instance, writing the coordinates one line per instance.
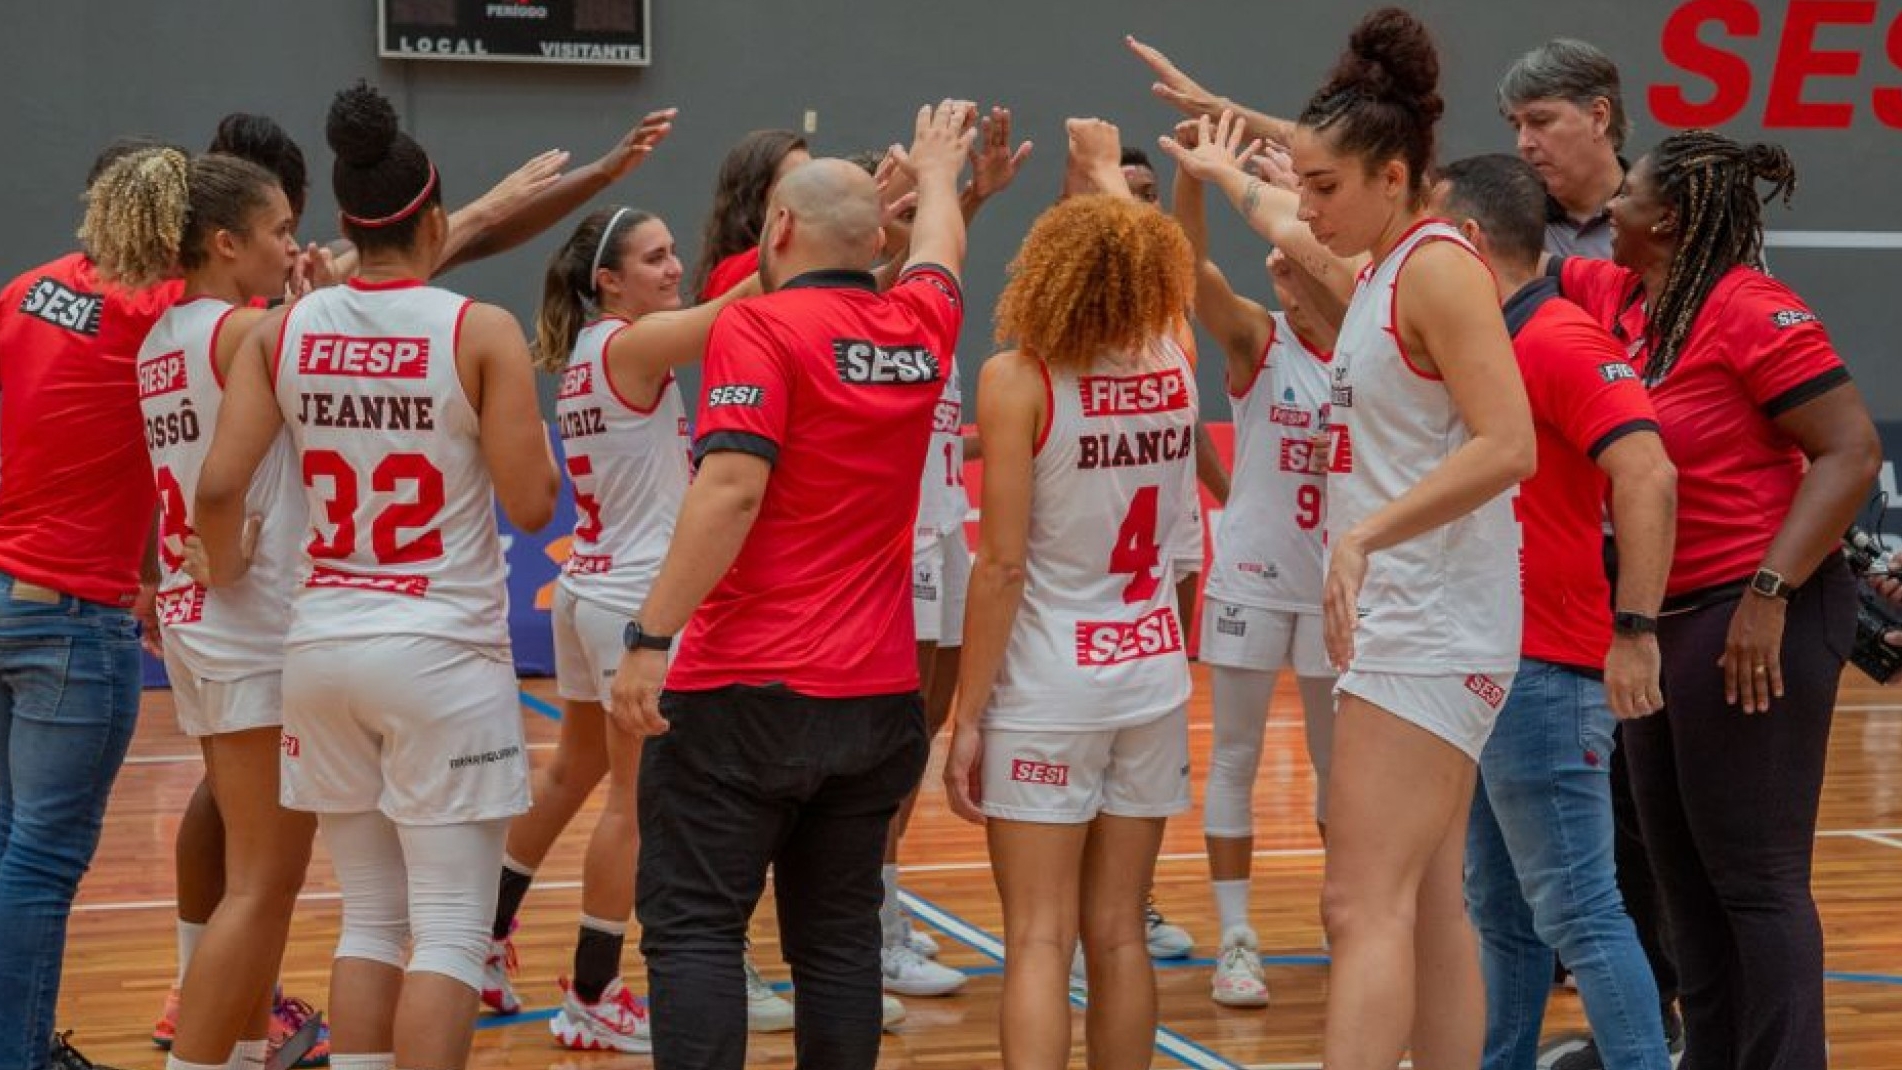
(1391, 56)
(362, 126)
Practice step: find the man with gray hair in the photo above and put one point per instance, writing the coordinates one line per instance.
(791, 726)
(1566, 105)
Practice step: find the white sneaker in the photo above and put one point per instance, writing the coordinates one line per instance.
(910, 974)
(766, 1012)
(1238, 977)
(616, 1022)
(1166, 941)
(920, 941)
(498, 994)
(890, 1012)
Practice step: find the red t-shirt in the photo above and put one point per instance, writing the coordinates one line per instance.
(729, 273)
(76, 489)
(1754, 352)
(836, 385)
(1585, 396)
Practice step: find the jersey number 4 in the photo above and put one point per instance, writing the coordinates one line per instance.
(1136, 554)
(408, 474)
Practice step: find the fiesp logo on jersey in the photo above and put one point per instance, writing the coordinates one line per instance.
(1133, 395)
(1113, 642)
(364, 358)
(163, 374)
(577, 381)
(864, 363)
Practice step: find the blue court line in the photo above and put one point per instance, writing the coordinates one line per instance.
(547, 710)
(501, 1021)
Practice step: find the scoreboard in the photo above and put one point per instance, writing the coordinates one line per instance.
(595, 32)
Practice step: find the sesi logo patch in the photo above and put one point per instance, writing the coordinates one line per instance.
(363, 358)
(1133, 395)
(62, 307)
(1113, 642)
(1615, 371)
(1487, 689)
(1791, 317)
(163, 374)
(863, 363)
(577, 381)
(1028, 771)
(720, 397)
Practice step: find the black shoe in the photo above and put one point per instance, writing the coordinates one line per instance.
(66, 1057)
(1587, 1057)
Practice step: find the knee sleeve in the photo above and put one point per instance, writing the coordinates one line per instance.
(1317, 708)
(368, 858)
(452, 893)
(1241, 698)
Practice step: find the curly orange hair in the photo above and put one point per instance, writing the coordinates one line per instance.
(1096, 275)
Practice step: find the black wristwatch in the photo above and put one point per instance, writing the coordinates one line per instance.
(1771, 584)
(1633, 624)
(633, 638)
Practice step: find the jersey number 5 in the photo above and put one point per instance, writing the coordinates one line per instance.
(1136, 553)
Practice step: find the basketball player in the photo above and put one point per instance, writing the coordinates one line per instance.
(228, 225)
(1071, 738)
(411, 411)
(729, 243)
(1431, 432)
(611, 328)
(1263, 610)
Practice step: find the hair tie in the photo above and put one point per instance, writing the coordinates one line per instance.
(601, 249)
(401, 213)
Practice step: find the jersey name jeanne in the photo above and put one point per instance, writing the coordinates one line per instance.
(1097, 643)
(403, 534)
(629, 467)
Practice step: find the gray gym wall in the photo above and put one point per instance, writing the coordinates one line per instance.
(79, 72)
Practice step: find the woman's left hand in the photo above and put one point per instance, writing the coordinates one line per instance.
(1752, 661)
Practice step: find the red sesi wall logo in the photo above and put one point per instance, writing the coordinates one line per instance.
(1487, 689)
(1133, 395)
(1810, 86)
(577, 381)
(162, 375)
(1112, 642)
(1025, 771)
(364, 358)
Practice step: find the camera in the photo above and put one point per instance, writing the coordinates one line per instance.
(1876, 616)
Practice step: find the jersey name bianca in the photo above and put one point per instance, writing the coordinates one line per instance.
(1128, 449)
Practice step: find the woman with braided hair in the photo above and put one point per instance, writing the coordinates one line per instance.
(1775, 452)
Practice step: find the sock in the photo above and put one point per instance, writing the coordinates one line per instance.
(173, 1062)
(597, 957)
(1231, 902)
(515, 881)
(891, 915)
(358, 1061)
(188, 934)
(250, 1055)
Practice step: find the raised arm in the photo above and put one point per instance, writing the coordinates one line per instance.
(940, 141)
(641, 355)
(1242, 327)
(1094, 164)
(1175, 88)
(548, 201)
(994, 164)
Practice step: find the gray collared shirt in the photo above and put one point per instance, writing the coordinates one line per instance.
(1565, 236)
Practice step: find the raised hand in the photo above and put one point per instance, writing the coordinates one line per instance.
(1174, 87)
(640, 142)
(1218, 147)
(940, 141)
(1275, 164)
(993, 163)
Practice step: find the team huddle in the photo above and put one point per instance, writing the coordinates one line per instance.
(1479, 379)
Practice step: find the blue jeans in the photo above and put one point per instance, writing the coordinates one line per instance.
(69, 697)
(1539, 876)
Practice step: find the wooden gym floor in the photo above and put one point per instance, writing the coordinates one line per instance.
(120, 955)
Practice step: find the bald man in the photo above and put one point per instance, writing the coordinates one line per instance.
(789, 726)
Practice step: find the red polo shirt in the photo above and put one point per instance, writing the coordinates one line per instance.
(729, 273)
(1585, 396)
(836, 384)
(76, 490)
(1755, 352)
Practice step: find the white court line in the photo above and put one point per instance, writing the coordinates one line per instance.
(1833, 239)
(1877, 837)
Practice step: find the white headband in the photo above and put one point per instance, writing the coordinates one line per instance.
(601, 249)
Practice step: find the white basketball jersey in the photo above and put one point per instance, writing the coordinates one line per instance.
(402, 513)
(942, 500)
(629, 468)
(1268, 548)
(236, 631)
(1097, 643)
(1448, 601)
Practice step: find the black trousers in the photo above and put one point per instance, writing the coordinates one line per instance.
(749, 777)
(1728, 805)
